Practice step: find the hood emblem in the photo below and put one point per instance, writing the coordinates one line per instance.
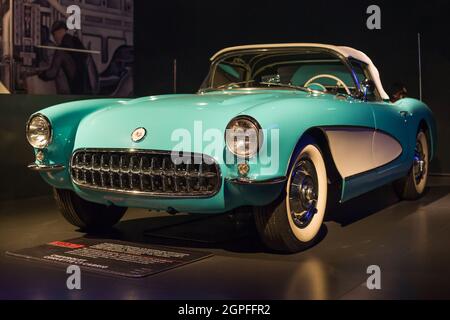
(138, 134)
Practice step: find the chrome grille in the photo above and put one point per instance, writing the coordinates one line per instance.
(152, 173)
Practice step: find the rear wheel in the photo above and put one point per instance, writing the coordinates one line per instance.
(413, 185)
(292, 223)
(86, 215)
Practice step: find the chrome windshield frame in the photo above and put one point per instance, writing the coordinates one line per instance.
(214, 64)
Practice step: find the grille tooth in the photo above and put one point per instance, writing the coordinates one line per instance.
(111, 179)
(163, 177)
(175, 178)
(145, 172)
(102, 179)
(141, 176)
(85, 176)
(121, 182)
(152, 170)
(130, 172)
(92, 171)
(188, 176)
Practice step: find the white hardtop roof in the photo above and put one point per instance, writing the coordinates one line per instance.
(347, 52)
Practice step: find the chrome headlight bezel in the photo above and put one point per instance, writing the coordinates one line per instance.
(250, 123)
(47, 138)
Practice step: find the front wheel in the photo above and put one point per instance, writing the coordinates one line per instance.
(87, 216)
(413, 185)
(292, 223)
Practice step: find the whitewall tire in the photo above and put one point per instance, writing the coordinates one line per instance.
(293, 222)
(413, 185)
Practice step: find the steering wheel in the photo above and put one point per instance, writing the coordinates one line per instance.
(329, 76)
(321, 86)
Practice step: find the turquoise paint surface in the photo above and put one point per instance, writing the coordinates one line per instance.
(108, 123)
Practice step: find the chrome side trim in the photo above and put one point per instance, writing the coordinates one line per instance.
(246, 181)
(46, 168)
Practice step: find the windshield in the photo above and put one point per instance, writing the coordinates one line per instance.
(282, 69)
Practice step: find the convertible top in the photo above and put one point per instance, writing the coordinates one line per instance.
(347, 52)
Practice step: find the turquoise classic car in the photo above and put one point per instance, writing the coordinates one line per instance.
(284, 129)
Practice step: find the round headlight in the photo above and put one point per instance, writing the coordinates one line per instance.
(39, 131)
(243, 137)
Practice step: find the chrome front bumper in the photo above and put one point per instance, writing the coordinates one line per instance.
(46, 168)
(245, 181)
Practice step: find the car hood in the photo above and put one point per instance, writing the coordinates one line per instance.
(169, 115)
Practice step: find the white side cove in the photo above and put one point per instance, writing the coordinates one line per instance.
(357, 150)
(385, 149)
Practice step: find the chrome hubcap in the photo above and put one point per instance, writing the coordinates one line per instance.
(419, 163)
(303, 193)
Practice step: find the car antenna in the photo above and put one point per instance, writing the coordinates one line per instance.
(174, 75)
(419, 45)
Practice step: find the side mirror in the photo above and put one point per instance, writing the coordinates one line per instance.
(367, 88)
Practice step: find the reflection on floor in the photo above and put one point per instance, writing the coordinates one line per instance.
(408, 240)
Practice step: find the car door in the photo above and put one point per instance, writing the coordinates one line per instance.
(390, 138)
(387, 139)
(351, 144)
(351, 121)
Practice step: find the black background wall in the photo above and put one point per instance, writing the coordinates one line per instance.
(191, 31)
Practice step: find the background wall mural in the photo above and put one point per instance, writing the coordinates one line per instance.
(40, 55)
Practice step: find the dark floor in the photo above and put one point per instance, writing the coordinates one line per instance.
(408, 240)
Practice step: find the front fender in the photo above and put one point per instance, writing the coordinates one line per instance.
(65, 119)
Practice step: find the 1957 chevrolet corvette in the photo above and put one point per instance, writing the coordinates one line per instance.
(295, 122)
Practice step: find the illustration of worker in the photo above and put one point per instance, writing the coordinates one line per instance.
(69, 64)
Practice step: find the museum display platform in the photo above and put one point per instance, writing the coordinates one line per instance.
(407, 240)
